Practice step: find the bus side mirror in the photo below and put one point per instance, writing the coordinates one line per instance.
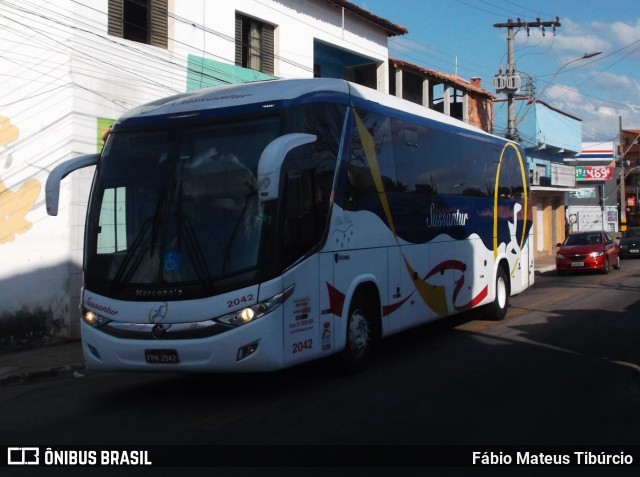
(271, 162)
(52, 187)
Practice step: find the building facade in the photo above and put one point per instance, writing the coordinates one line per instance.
(71, 68)
(593, 205)
(629, 177)
(448, 94)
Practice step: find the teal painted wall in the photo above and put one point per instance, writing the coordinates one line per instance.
(204, 72)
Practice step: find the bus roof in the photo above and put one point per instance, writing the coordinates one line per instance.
(239, 94)
(243, 94)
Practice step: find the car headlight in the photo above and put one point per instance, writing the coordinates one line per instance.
(560, 256)
(253, 312)
(92, 318)
(597, 254)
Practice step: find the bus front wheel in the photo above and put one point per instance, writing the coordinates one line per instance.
(497, 309)
(360, 336)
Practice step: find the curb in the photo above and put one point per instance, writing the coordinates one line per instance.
(548, 268)
(75, 370)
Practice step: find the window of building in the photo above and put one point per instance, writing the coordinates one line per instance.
(254, 44)
(144, 21)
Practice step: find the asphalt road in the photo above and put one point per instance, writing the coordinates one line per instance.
(562, 369)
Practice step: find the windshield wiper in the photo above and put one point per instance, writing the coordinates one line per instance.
(194, 249)
(139, 246)
(253, 192)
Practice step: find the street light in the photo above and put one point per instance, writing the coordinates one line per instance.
(583, 57)
(629, 171)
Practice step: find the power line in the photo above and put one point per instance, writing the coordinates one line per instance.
(510, 82)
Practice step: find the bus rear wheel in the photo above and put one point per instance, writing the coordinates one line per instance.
(497, 309)
(360, 336)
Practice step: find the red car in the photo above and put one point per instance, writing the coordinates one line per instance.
(594, 250)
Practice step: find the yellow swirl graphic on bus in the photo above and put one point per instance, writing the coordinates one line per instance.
(433, 296)
(495, 201)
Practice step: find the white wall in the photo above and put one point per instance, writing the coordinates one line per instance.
(208, 29)
(36, 97)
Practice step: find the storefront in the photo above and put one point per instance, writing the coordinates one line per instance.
(593, 203)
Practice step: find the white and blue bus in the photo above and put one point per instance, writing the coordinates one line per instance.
(257, 226)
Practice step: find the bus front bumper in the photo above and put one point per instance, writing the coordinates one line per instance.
(253, 347)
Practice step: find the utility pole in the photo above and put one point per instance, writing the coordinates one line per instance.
(623, 192)
(510, 83)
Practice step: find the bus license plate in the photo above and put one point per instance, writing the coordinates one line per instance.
(161, 356)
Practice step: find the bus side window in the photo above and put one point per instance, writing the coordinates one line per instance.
(360, 183)
(361, 191)
(307, 197)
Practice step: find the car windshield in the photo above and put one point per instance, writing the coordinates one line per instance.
(631, 233)
(584, 239)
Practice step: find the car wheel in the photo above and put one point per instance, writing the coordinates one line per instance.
(617, 264)
(605, 268)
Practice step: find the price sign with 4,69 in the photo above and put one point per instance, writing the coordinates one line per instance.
(594, 173)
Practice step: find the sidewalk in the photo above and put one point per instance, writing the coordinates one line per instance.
(60, 358)
(65, 357)
(545, 263)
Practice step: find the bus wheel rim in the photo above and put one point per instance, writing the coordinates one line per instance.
(358, 333)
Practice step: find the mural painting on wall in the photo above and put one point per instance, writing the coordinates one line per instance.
(14, 203)
(104, 126)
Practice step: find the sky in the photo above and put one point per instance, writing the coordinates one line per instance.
(459, 37)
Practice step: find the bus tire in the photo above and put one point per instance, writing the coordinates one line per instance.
(497, 310)
(360, 335)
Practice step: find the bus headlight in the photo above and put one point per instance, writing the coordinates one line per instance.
(253, 312)
(93, 319)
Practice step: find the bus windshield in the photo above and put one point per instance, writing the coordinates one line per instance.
(179, 207)
(175, 212)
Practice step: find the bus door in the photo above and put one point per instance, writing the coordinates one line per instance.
(327, 297)
(398, 305)
(308, 327)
